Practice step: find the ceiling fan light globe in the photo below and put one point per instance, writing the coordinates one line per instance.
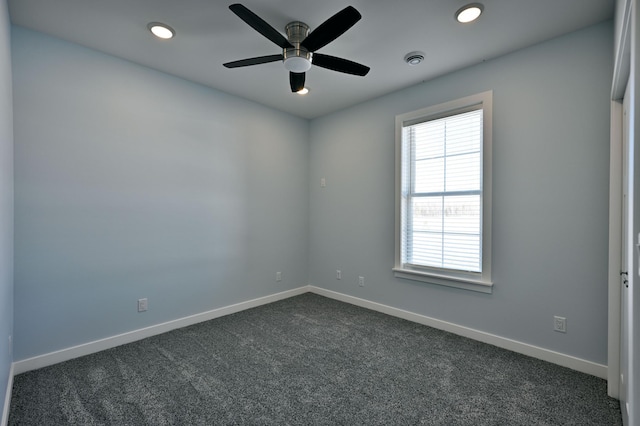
(297, 64)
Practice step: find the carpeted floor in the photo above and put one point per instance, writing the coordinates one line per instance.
(309, 360)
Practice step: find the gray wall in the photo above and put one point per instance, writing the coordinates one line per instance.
(130, 183)
(550, 196)
(6, 202)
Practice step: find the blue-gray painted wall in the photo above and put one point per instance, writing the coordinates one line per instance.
(130, 183)
(6, 203)
(550, 196)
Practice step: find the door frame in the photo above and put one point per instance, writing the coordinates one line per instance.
(621, 75)
(615, 252)
(627, 61)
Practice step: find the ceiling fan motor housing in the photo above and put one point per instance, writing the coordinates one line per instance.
(297, 59)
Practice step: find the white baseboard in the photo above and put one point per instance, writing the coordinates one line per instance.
(558, 358)
(7, 398)
(132, 336)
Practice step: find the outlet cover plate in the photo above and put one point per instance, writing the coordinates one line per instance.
(142, 305)
(560, 324)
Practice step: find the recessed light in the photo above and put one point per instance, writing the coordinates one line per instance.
(414, 58)
(469, 13)
(303, 91)
(161, 30)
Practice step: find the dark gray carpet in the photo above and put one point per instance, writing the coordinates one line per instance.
(309, 360)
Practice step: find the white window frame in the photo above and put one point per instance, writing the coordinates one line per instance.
(480, 281)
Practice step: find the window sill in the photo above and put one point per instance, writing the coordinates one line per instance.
(465, 283)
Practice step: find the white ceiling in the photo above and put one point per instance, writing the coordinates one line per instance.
(209, 34)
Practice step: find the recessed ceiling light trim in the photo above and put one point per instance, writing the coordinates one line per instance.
(469, 13)
(160, 30)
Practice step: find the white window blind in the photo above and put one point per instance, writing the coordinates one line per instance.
(442, 192)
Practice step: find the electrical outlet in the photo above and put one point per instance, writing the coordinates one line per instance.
(278, 276)
(142, 305)
(560, 324)
(361, 281)
(338, 274)
(323, 183)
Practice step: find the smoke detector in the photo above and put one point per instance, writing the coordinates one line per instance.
(414, 58)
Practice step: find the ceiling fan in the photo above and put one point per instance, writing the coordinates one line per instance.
(300, 46)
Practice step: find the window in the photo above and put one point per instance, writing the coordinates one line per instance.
(443, 194)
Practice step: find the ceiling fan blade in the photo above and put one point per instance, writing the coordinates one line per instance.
(339, 64)
(331, 29)
(258, 24)
(296, 79)
(254, 61)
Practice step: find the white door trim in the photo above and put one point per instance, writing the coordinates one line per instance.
(621, 73)
(615, 243)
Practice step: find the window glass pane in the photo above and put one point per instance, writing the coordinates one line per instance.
(464, 133)
(461, 252)
(429, 175)
(463, 172)
(445, 195)
(427, 249)
(446, 232)
(427, 214)
(462, 214)
(428, 139)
